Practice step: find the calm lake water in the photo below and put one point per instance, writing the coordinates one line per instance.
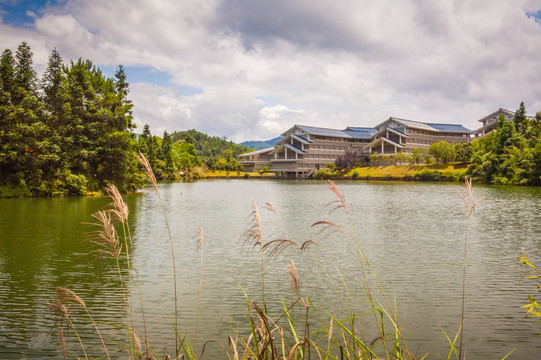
(412, 233)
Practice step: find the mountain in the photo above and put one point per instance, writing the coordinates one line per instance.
(259, 145)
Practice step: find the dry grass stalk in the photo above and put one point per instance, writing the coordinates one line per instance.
(67, 296)
(294, 277)
(107, 240)
(341, 201)
(200, 239)
(253, 236)
(148, 171)
(305, 245)
(469, 201)
(275, 247)
(136, 341)
(119, 207)
(327, 229)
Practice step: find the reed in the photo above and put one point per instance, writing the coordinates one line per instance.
(365, 326)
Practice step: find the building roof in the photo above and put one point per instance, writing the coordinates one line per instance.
(295, 149)
(349, 132)
(360, 132)
(496, 114)
(411, 124)
(301, 139)
(321, 131)
(262, 151)
(454, 128)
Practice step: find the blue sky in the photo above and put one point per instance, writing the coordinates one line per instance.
(250, 69)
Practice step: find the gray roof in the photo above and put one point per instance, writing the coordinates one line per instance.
(433, 126)
(322, 131)
(301, 139)
(360, 132)
(295, 149)
(262, 151)
(451, 128)
(350, 132)
(412, 124)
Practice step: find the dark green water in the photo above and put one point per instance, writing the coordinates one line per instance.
(410, 232)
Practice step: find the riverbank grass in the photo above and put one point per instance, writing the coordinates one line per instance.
(405, 172)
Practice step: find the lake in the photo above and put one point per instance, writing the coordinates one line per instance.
(412, 233)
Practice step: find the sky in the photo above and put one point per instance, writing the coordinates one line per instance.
(251, 69)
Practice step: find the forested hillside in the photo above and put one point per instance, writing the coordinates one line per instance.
(216, 152)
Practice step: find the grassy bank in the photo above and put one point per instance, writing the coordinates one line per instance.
(433, 172)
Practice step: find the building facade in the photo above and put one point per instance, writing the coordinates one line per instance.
(306, 149)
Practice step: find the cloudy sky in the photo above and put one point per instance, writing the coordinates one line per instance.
(250, 69)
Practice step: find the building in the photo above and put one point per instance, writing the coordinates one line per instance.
(396, 135)
(490, 122)
(306, 149)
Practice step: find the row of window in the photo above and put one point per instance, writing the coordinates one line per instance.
(327, 147)
(419, 141)
(311, 166)
(439, 134)
(320, 156)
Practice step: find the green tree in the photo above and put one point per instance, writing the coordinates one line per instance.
(387, 159)
(25, 75)
(520, 120)
(374, 158)
(7, 77)
(417, 155)
(442, 150)
(167, 153)
(463, 151)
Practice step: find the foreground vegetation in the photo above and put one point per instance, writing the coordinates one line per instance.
(356, 327)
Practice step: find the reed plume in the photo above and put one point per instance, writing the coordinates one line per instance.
(470, 202)
(107, 239)
(152, 179)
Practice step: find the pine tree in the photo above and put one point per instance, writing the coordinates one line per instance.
(52, 82)
(25, 75)
(123, 109)
(7, 77)
(167, 154)
(520, 120)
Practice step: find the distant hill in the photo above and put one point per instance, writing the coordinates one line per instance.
(259, 145)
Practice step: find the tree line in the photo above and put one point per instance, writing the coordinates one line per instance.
(72, 131)
(61, 133)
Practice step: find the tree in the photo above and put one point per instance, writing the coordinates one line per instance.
(167, 153)
(25, 75)
(417, 155)
(7, 77)
(463, 151)
(387, 159)
(351, 159)
(123, 119)
(520, 120)
(442, 150)
(374, 158)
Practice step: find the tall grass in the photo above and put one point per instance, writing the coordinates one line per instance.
(348, 326)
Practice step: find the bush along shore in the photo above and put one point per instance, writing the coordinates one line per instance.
(357, 326)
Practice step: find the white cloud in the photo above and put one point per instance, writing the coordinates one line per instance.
(325, 63)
